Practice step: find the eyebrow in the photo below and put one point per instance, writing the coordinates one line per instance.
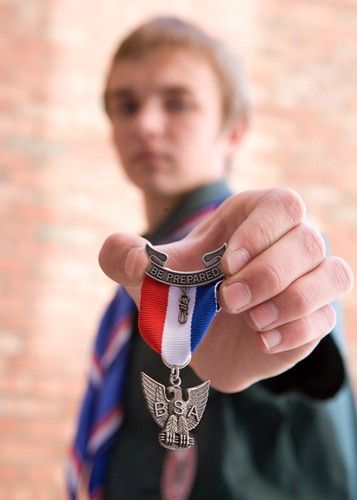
(125, 92)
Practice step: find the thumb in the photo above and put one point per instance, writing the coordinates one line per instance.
(123, 258)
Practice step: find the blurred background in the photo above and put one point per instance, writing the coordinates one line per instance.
(61, 192)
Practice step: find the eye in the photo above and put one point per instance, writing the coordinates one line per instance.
(177, 104)
(124, 107)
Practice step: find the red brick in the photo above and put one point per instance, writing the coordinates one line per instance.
(61, 193)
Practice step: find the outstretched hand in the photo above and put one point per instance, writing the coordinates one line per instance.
(277, 292)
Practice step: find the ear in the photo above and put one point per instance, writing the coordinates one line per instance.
(235, 133)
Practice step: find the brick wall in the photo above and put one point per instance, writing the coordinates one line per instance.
(61, 193)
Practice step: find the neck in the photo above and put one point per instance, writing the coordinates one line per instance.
(157, 208)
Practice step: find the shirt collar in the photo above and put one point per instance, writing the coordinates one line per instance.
(190, 203)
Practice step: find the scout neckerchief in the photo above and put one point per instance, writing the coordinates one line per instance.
(102, 409)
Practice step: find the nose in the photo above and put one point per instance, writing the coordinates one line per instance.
(150, 119)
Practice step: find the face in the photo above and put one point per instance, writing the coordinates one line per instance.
(165, 110)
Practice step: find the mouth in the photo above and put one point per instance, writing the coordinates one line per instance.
(149, 156)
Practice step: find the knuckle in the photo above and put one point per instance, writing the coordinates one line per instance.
(342, 273)
(263, 232)
(273, 277)
(300, 300)
(307, 330)
(330, 316)
(292, 204)
(313, 242)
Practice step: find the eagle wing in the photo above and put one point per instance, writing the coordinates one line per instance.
(154, 393)
(196, 403)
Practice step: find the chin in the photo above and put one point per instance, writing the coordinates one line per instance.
(158, 187)
(162, 191)
(156, 183)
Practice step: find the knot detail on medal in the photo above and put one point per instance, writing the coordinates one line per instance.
(183, 306)
(211, 273)
(176, 415)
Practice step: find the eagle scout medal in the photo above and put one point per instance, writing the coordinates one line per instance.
(176, 310)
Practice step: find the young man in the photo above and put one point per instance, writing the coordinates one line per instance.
(280, 421)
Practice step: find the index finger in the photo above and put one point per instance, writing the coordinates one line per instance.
(271, 216)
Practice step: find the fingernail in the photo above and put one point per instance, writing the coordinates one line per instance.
(271, 338)
(237, 259)
(236, 296)
(130, 261)
(265, 314)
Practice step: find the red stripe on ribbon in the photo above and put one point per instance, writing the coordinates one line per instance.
(153, 312)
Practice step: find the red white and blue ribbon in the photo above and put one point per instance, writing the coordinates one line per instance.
(158, 319)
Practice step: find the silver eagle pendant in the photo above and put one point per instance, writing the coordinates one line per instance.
(176, 415)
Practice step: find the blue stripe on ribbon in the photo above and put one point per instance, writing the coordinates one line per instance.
(206, 307)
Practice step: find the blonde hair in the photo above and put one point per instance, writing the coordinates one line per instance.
(172, 32)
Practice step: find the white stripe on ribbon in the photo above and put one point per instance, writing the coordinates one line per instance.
(176, 337)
